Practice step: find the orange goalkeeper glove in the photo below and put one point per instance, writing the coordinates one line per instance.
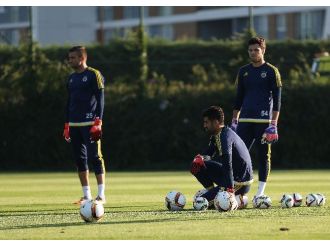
(66, 132)
(96, 130)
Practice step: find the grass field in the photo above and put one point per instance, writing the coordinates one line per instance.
(39, 206)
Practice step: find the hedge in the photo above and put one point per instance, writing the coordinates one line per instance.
(119, 60)
(159, 129)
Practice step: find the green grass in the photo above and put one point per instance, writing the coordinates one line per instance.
(38, 206)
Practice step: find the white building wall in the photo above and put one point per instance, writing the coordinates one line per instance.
(64, 25)
(326, 29)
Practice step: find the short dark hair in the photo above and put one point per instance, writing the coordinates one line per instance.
(214, 113)
(257, 40)
(81, 50)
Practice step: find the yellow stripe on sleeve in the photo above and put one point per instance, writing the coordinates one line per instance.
(277, 75)
(99, 78)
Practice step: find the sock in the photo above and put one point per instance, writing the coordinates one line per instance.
(87, 192)
(101, 188)
(261, 188)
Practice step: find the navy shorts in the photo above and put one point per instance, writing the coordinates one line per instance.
(251, 134)
(86, 151)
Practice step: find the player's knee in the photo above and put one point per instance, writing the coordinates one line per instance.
(243, 190)
(98, 165)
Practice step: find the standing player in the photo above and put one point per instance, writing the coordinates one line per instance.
(257, 106)
(226, 162)
(83, 126)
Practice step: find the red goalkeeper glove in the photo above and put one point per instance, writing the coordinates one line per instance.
(66, 132)
(96, 130)
(230, 190)
(270, 136)
(197, 164)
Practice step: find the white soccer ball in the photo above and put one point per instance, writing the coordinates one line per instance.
(200, 203)
(200, 193)
(175, 201)
(297, 199)
(287, 201)
(262, 202)
(312, 200)
(91, 211)
(225, 201)
(242, 201)
(322, 199)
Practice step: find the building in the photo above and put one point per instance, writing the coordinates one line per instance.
(67, 25)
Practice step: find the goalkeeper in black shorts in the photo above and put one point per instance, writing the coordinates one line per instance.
(226, 163)
(257, 107)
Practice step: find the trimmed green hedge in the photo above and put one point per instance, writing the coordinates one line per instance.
(162, 130)
(119, 60)
(159, 129)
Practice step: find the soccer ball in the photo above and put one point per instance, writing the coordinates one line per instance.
(225, 201)
(297, 199)
(287, 201)
(91, 211)
(242, 201)
(312, 200)
(175, 201)
(322, 199)
(199, 193)
(262, 202)
(200, 203)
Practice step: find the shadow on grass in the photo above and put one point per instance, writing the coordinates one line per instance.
(61, 225)
(38, 212)
(166, 216)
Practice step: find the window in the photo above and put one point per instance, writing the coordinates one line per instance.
(106, 11)
(114, 33)
(131, 12)
(162, 31)
(165, 10)
(310, 25)
(14, 14)
(261, 25)
(12, 37)
(239, 25)
(281, 27)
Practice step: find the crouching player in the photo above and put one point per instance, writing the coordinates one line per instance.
(226, 163)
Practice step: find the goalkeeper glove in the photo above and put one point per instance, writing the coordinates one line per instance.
(96, 130)
(66, 132)
(270, 136)
(230, 190)
(197, 163)
(234, 124)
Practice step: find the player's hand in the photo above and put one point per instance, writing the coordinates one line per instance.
(66, 132)
(197, 164)
(199, 160)
(230, 190)
(96, 130)
(270, 136)
(234, 123)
